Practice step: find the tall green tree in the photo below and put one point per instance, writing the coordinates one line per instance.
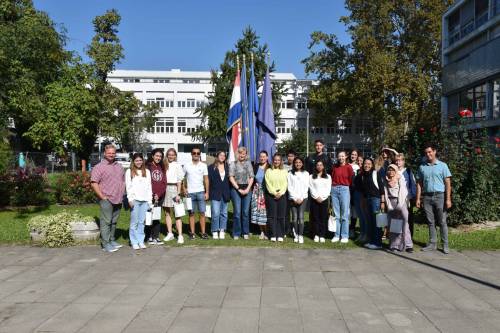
(32, 55)
(214, 113)
(390, 71)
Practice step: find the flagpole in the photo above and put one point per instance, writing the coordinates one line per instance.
(245, 110)
(254, 136)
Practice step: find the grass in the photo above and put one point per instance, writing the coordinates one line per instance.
(13, 230)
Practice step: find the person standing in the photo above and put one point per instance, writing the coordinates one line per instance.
(290, 157)
(396, 193)
(360, 205)
(276, 186)
(139, 196)
(411, 186)
(218, 179)
(159, 184)
(373, 190)
(298, 190)
(107, 181)
(258, 205)
(353, 161)
(434, 184)
(342, 176)
(241, 177)
(197, 190)
(175, 175)
(320, 185)
(320, 155)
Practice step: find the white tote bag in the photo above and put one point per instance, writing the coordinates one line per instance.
(381, 220)
(396, 226)
(149, 218)
(332, 224)
(179, 210)
(208, 211)
(156, 213)
(188, 203)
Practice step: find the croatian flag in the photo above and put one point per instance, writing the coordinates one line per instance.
(233, 133)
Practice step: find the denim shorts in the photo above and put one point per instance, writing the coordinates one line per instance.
(198, 201)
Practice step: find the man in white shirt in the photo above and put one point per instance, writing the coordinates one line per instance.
(196, 176)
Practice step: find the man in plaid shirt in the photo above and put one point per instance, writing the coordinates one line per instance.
(107, 180)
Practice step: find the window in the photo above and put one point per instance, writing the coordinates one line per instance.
(282, 104)
(481, 12)
(330, 129)
(163, 125)
(160, 102)
(181, 104)
(190, 103)
(280, 127)
(191, 81)
(496, 99)
(301, 105)
(454, 27)
(453, 108)
(181, 126)
(466, 98)
(161, 81)
(317, 130)
(169, 104)
(132, 80)
(480, 102)
(347, 126)
(290, 104)
(199, 104)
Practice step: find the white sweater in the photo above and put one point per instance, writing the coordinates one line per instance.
(298, 185)
(139, 188)
(320, 187)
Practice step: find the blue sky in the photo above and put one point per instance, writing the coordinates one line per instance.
(194, 35)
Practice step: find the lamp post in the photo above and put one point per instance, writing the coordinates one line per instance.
(307, 128)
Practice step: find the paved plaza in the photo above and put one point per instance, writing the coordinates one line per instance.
(229, 289)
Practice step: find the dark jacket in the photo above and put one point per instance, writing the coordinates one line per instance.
(218, 189)
(369, 188)
(312, 159)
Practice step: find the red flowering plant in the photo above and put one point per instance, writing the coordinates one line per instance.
(74, 188)
(474, 166)
(24, 187)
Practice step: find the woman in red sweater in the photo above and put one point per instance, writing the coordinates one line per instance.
(342, 175)
(158, 184)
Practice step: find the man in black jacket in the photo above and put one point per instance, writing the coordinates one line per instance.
(311, 160)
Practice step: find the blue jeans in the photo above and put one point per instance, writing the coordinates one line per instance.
(219, 215)
(374, 233)
(341, 202)
(241, 212)
(137, 218)
(358, 197)
(198, 201)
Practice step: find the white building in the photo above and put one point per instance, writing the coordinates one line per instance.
(179, 93)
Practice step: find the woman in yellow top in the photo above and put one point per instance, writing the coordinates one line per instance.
(276, 185)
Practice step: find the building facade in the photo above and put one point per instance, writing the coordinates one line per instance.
(471, 64)
(179, 93)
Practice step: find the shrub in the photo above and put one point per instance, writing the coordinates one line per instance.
(74, 188)
(56, 229)
(474, 168)
(24, 187)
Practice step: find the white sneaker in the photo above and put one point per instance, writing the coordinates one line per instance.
(280, 239)
(344, 240)
(135, 247)
(335, 239)
(316, 239)
(180, 239)
(245, 236)
(236, 237)
(374, 247)
(222, 235)
(321, 240)
(301, 239)
(169, 237)
(367, 245)
(273, 239)
(296, 239)
(215, 235)
(142, 246)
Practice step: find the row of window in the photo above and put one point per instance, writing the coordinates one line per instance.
(482, 100)
(166, 125)
(342, 127)
(165, 103)
(470, 16)
(291, 105)
(136, 80)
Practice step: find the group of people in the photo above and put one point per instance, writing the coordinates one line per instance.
(275, 196)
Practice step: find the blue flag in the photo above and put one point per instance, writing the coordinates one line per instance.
(253, 110)
(265, 121)
(244, 108)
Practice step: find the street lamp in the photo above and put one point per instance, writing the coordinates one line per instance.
(307, 128)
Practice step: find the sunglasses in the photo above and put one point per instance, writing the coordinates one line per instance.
(196, 153)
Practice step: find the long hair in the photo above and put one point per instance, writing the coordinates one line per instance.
(165, 159)
(294, 169)
(373, 164)
(323, 173)
(281, 158)
(216, 162)
(150, 160)
(266, 165)
(349, 156)
(134, 169)
(337, 163)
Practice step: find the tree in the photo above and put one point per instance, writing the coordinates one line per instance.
(296, 142)
(31, 56)
(389, 72)
(214, 113)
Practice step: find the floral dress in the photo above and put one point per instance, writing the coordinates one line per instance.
(258, 205)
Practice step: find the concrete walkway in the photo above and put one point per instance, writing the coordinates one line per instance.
(163, 289)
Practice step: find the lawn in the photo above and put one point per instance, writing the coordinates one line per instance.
(13, 230)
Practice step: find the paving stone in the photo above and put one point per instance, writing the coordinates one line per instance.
(280, 320)
(342, 279)
(366, 322)
(353, 300)
(242, 297)
(154, 276)
(277, 279)
(322, 320)
(66, 293)
(246, 278)
(308, 279)
(71, 318)
(101, 293)
(10, 271)
(250, 264)
(206, 297)
(214, 278)
(373, 280)
(26, 317)
(112, 318)
(403, 320)
(237, 320)
(183, 278)
(153, 320)
(277, 263)
(199, 320)
(320, 298)
(31, 292)
(279, 297)
(389, 298)
(137, 294)
(168, 296)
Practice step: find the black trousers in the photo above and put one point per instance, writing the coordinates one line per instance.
(153, 230)
(319, 217)
(276, 210)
